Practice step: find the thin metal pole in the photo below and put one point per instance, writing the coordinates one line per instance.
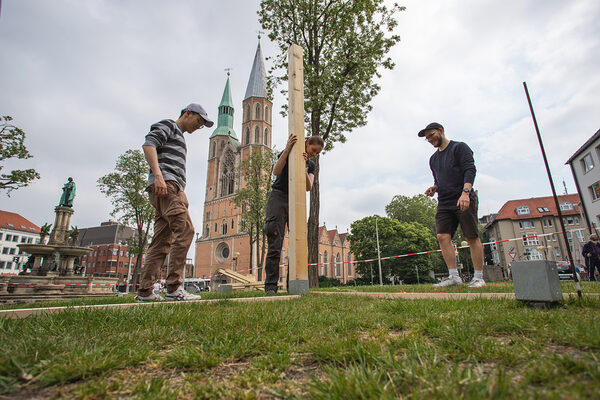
(562, 224)
(378, 253)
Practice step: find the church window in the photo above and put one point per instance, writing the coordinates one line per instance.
(349, 264)
(325, 261)
(266, 136)
(338, 271)
(213, 150)
(256, 135)
(247, 116)
(207, 230)
(247, 135)
(228, 174)
(267, 115)
(232, 224)
(216, 227)
(257, 111)
(224, 228)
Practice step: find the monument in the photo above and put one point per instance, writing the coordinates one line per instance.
(52, 264)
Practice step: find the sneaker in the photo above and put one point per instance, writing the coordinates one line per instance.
(476, 282)
(449, 281)
(151, 297)
(181, 295)
(270, 292)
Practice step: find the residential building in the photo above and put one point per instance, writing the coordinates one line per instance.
(15, 230)
(110, 256)
(528, 229)
(585, 167)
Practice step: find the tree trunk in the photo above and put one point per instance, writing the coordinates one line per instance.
(313, 230)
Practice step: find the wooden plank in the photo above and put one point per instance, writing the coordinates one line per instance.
(298, 246)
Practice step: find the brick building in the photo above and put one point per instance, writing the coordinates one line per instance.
(536, 216)
(110, 256)
(14, 230)
(222, 243)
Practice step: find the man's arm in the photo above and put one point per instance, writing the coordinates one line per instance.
(278, 167)
(309, 181)
(160, 187)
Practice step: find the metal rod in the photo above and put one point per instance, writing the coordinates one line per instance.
(562, 224)
(378, 253)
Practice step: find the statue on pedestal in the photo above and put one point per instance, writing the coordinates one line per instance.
(66, 200)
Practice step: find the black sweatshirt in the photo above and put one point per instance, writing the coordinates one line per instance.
(452, 168)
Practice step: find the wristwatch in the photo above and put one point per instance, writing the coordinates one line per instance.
(466, 190)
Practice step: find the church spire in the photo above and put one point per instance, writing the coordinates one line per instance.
(225, 119)
(257, 82)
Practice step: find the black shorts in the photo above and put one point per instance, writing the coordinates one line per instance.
(447, 219)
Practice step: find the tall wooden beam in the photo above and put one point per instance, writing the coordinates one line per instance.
(298, 246)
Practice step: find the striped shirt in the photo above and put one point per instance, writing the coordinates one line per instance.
(167, 138)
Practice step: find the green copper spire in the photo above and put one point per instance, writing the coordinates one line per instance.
(225, 119)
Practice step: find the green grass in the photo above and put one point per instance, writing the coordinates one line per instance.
(494, 287)
(317, 347)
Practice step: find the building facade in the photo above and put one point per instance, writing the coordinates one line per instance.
(14, 230)
(585, 167)
(519, 222)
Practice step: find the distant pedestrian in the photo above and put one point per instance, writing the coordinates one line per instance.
(454, 171)
(591, 253)
(165, 151)
(277, 210)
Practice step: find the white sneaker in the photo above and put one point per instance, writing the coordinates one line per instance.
(151, 297)
(181, 295)
(477, 282)
(449, 281)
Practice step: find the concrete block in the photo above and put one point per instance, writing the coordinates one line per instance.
(225, 289)
(536, 281)
(298, 286)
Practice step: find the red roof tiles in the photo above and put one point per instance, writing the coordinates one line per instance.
(9, 220)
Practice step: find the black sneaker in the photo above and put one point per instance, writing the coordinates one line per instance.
(270, 292)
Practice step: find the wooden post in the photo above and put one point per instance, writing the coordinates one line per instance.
(298, 245)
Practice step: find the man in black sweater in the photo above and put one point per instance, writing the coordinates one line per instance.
(454, 171)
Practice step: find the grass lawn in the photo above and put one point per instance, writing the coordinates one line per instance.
(317, 347)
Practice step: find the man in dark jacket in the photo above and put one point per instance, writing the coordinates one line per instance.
(591, 252)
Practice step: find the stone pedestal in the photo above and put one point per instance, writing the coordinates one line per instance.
(62, 221)
(298, 286)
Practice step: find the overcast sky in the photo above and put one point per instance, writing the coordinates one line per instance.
(86, 78)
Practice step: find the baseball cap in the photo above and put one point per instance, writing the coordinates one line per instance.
(433, 125)
(198, 109)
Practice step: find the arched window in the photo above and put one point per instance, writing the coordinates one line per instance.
(213, 149)
(228, 174)
(267, 114)
(222, 144)
(338, 269)
(325, 261)
(247, 116)
(224, 228)
(216, 227)
(232, 224)
(247, 135)
(266, 142)
(256, 135)
(207, 230)
(257, 114)
(349, 264)
(321, 262)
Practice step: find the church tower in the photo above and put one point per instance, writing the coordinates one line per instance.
(222, 244)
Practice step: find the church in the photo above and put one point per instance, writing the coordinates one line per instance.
(222, 243)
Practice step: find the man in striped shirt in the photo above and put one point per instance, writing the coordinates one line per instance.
(165, 151)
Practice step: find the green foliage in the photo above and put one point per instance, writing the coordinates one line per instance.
(126, 189)
(395, 238)
(419, 208)
(325, 282)
(252, 197)
(12, 145)
(345, 43)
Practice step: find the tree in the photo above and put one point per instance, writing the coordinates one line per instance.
(419, 208)
(395, 238)
(345, 43)
(252, 199)
(12, 144)
(131, 206)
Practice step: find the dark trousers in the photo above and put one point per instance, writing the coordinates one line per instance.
(593, 264)
(277, 215)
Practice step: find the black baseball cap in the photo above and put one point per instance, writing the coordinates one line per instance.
(433, 125)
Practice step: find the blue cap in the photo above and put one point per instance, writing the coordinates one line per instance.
(198, 109)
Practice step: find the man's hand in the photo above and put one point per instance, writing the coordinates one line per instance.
(290, 143)
(463, 201)
(160, 187)
(431, 191)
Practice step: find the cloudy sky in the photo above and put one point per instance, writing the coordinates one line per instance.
(86, 79)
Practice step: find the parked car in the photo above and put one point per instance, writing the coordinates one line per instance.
(564, 270)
